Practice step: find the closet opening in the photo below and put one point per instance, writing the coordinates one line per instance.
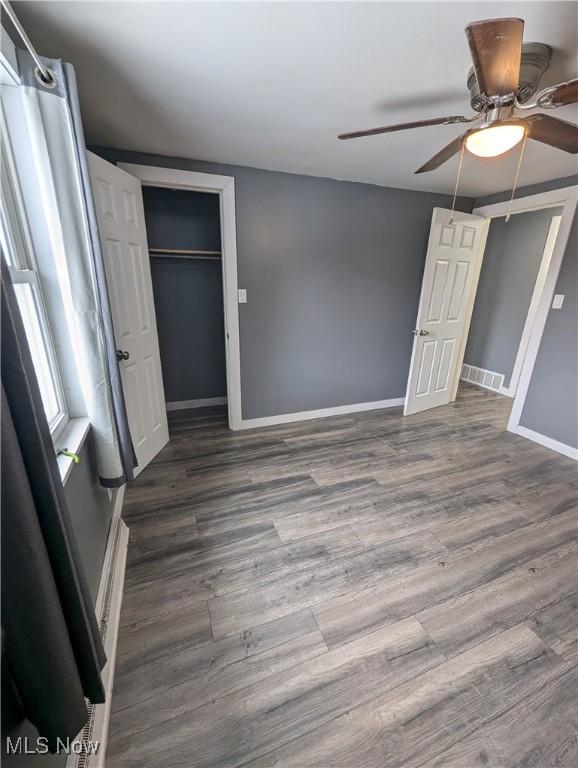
(184, 237)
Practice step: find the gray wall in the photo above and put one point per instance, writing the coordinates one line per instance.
(333, 274)
(177, 218)
(511, 262)
(551, 405)
(188, 294)
(91, 512)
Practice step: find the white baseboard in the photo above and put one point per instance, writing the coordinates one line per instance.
(107, 608)
(321, 413)
(507, 392)
(118, 502)
(547, 442)
(183, 405)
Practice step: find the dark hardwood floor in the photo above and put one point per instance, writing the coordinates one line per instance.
(364, 591)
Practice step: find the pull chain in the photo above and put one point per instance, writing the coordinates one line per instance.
(516, 176)
(457, 182)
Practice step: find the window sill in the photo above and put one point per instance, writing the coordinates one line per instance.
(72, 439)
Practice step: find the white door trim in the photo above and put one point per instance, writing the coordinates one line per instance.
(224, 186)
(512, 388)
(567, 198)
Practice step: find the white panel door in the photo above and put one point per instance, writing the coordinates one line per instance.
(121, 224)
(450, 279)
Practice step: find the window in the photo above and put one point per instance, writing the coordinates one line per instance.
(18, 251)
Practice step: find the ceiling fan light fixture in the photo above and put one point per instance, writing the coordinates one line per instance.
(494, 140)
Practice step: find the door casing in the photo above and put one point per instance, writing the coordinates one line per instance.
(224, 186)
(567, 198)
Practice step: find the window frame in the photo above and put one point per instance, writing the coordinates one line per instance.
(22, 265)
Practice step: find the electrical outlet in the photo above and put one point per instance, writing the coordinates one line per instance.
(558, 301)
(242, 295)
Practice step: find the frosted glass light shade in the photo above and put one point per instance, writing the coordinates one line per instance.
(494, 140)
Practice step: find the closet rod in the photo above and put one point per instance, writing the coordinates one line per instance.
(185, 251)
(171, 253)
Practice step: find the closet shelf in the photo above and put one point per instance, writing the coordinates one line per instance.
(184, 253)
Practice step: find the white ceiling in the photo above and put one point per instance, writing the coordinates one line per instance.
(271, 84)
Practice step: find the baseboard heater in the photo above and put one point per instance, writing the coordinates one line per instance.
(107, 608)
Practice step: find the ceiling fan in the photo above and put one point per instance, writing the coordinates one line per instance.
(504, 78)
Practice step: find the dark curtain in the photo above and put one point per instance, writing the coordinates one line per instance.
(51, 641)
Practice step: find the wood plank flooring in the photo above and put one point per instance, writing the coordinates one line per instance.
(365, 591)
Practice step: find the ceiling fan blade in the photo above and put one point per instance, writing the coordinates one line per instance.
(443, 155)
(558, 95)
(496, 48)
(553, 131)
(404, 126)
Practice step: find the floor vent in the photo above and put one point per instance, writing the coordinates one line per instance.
(482, 378)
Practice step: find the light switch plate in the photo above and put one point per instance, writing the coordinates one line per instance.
(558, 301)
(242, 295)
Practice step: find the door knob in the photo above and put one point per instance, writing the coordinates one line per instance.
(122, 354)
(420, 333)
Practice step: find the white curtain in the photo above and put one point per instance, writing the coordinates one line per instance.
(54, 141)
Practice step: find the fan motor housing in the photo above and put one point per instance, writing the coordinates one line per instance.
(534, 63)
